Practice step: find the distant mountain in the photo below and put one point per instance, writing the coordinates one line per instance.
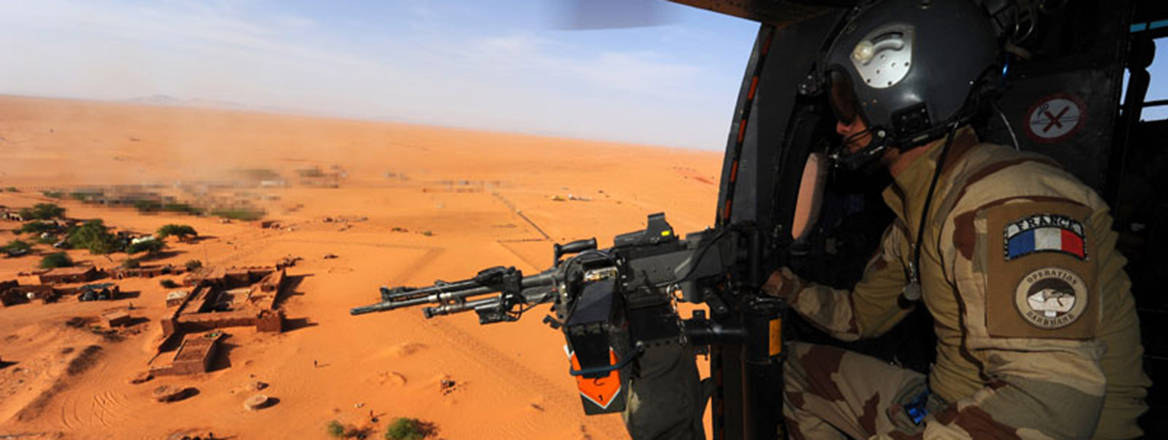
(171, 101)
(156, 100)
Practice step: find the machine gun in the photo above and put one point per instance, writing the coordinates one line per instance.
(612, 304)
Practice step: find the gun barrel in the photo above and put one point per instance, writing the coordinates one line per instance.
(427, 291)
(379, 307)
(448, 309)
(450, 297)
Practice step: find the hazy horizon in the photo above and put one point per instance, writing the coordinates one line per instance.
(503, 66)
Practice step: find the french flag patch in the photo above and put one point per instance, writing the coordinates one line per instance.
(1045, 233)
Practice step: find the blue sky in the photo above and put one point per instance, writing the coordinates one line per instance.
(506, 65)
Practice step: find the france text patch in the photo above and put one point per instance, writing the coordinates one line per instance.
(1044, 233)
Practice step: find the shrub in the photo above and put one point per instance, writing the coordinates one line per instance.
(42, 211)
(168, 283)
(131, 263)
(146, 206)
(239, 213)
(180, 231)
(54, 194)
(405, 429)
(12, 189)
(310, 172)
(37, 227)
(335, 429)
(181, 208)
(94, 236)
(58, 259)
(194, 264)
(16, 247)
(80, 196)
(149, 246)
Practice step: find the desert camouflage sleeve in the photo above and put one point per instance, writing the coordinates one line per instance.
(870, 308)
(1027, 293)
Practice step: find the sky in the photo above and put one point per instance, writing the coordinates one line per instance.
(503, 65)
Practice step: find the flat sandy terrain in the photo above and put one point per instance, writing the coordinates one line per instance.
(399, 205)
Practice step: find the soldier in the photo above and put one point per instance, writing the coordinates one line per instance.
(1014, 258)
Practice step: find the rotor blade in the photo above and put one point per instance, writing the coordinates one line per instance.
(610, 14)
(780, 13)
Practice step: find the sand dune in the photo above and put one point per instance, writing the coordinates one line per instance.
(397, 204)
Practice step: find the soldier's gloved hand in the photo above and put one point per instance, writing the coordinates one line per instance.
(782, 283)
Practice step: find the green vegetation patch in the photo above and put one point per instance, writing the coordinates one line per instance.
(181, 231)
(239, 213)
(37, 227)
(405, 428)
(16, 247)
(42, 211)
(148, 246)
(58, 259)
(193, 264)
(93, 235)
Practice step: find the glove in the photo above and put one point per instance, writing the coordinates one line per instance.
(782, 283)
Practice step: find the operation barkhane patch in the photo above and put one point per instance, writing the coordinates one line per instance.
(1044, 233)
(1051, 297)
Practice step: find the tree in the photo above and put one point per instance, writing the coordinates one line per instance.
(151, 246)
(406, 429)
(58, 259)
(131, 263)
(37, 227)
(16, 247)
(183, 232)
(42, 211)
(93, 235)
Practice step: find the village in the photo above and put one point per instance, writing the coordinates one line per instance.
(201, 302)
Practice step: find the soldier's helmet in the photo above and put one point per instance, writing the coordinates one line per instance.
(910, 69)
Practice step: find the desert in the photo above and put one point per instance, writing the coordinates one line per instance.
(321, 211)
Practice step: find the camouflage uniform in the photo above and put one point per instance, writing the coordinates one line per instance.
(1037, 334)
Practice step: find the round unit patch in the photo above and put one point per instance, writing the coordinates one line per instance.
(1051, 298)
(1054, 117)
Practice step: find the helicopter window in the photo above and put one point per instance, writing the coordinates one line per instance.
(1156, 98)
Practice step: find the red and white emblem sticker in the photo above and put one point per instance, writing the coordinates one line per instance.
(1055, 117)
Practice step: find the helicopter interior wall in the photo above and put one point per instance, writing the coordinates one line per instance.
(760, 161)
(1062, 102)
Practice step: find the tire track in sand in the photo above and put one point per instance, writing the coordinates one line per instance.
(521, 381)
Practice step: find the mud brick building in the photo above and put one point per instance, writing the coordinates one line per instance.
(146, 271)
(117, 319)
(22, 294)
(78, 274)
(176, 298)
(234, 297)
(195, 355)
(4, 295)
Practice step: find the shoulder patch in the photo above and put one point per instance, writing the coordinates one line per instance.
(1051, 297)
(1044, 233)
(1040, 279)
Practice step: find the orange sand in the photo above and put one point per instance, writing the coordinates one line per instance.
(512, 378)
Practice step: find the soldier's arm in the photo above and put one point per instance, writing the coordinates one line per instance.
(1030, 309)
(868, 310)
